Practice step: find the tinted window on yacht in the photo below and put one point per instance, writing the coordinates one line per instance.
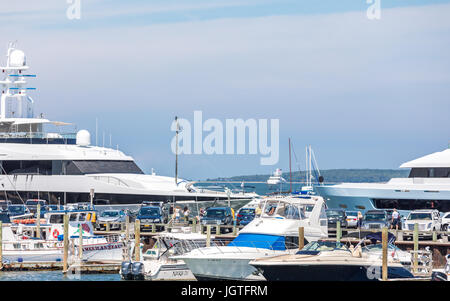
(43, 167)
(99, 166)
(437, 172)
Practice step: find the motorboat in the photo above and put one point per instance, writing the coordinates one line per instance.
(328, 261)
(274, 232)
(276, 178)
(158, 262)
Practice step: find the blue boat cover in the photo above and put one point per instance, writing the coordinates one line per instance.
(264, 241)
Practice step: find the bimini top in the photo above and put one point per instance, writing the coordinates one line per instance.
(438, 159)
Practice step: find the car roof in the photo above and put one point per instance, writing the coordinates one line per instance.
(218, 208)
(376, 211)
(150, 207)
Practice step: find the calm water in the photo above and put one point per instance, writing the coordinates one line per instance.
(55, 276)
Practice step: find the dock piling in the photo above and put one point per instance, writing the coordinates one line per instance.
(338, 231)
(1, 245)
(66, 242)
(301, 237)
(208, 235)
(38, 221)
(80, 244)
(137, 240)
(416, 245)
(384, 241)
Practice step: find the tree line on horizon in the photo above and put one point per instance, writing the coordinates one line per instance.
(329, 175)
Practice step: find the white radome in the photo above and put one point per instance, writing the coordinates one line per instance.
(17, 58)
(83, 138)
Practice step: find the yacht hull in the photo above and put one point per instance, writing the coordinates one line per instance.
(326, 272)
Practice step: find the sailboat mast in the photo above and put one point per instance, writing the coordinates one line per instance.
(290, 169)
(176, 151)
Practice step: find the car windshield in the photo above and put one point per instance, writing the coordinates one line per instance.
(215, 213)
(352, 213)
(110, 214)
(16, 208)
(247, 211)
(447, 215)
(423, 216)
(374, 217)
(324, 246)
(35, 203)
(149, 211)
(335, 213)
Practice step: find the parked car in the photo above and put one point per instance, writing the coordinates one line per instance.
(445, 222)
(352, 219)
(375, 219)
(427, 220)
(17, 210)
(113, 216)
(245, 216)
(335, 215)
(218, 216)
(149, 215)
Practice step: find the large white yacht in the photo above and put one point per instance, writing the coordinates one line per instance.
(428, 186)
(64, 167)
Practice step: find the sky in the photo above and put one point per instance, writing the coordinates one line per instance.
(363, 93)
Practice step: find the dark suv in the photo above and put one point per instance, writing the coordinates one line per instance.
(218, 216)
(335, 215)
(149, 215)
(245, 216)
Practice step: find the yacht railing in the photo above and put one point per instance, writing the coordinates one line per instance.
(39, 135)
(111, 180)
(255, 246)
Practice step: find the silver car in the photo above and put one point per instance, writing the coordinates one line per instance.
(115, 217)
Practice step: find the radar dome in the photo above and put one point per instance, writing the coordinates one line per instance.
(17, 58)
(83, 138)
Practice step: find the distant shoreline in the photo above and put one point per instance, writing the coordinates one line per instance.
(330, 176)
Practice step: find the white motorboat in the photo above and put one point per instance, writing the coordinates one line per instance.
(51, 160)
(157, 262)
(275, 232)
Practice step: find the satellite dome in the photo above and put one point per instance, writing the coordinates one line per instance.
(83, 138)
(17, 58)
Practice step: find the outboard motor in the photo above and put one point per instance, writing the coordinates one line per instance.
(137, 270)
(126, 270)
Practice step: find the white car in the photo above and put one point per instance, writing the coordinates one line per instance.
(352, 219)
(446, 222)
(427, 219)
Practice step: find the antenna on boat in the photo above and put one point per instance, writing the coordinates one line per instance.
(176, 150)
(96, 131)
(290, 169)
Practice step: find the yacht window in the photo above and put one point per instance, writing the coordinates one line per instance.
(57, 219)
(101, 166)
(82, 217)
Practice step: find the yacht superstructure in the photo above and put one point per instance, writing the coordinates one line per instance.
(427, 187)
(63, 167)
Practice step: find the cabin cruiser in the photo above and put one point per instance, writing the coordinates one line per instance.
(274, 232)
(49, 247)
(327, 261)
(157, 262)
(427, 187)
(44, 159)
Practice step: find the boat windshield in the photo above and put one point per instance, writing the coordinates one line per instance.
(325, 246)
(379, 247)
(283, 209)
(110, 213)
(423, 216)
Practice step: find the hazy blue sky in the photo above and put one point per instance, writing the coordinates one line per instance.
(364, 93)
